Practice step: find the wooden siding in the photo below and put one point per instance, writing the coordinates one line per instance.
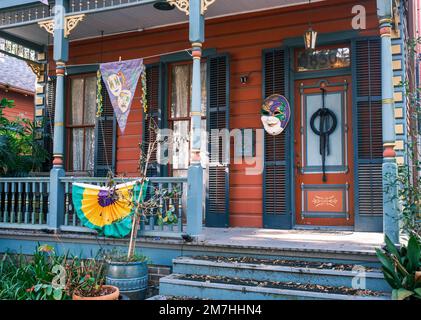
(243, 37)
(24, 105)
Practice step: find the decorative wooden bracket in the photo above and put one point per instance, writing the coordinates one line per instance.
(71, 23)
(183, 5)
(37, 68)
(47, 25)
(206, 4)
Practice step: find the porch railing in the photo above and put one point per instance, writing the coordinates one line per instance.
(16, 16)
(24, 203)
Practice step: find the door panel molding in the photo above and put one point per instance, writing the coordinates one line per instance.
(321, 203)
(330, 201)
(343, 167)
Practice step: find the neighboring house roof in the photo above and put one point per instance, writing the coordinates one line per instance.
(16, 74)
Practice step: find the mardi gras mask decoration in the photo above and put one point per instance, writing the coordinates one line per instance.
(276, 113)
(121, 80)
(115, 85)
(124, 99)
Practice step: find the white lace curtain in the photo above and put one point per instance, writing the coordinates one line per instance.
(83, 109)
(180, 112)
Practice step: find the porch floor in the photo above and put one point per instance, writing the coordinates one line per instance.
(344, 241)
(241, 241)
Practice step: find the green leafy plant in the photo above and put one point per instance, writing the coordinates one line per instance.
(400, 267)
(409, 193)
(20, 152)
(161, 204)
(116, 255)
(412, 45)
(408, 180)
(48, 276)
(86, 278)
(31, 278)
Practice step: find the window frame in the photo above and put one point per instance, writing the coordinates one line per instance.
(169, 119)
(69, 127)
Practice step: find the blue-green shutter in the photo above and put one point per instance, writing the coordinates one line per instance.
(369, 154)
(153, 79)
(276, 203)
(217, 195)
(49, 119)
(106, 137)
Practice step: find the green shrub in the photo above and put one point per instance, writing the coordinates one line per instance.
(20, 153)
(30, 278)
(400, 267)
(47, 276)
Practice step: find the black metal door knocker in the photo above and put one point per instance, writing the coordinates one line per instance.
(328, 124)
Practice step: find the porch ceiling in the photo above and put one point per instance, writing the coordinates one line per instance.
(142, 17)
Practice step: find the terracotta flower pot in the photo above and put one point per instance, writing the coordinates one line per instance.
(111, 296)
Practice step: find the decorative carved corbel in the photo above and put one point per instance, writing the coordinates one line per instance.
(183, 5)
(71, 23)
(206, 4)
(37, 68)
(47, 25)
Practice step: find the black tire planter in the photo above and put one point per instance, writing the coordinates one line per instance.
(130, 277)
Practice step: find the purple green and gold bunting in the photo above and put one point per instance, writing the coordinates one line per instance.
(108, 210)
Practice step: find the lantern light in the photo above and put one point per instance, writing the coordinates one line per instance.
(310, 39)
(310, 36)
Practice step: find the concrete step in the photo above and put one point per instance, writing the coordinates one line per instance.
(243, 289)
(303, 272)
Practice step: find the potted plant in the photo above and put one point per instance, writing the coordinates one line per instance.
(401, 268)
(130, 275)
(85, 281)
(103, 292)
(128, 270)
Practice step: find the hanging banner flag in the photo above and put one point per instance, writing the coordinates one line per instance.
(121, 79)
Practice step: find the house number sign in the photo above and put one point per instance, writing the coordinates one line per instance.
(323, 59)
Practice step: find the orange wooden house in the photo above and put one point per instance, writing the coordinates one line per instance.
(252, 49)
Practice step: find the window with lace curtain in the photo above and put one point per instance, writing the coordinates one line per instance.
(80, 123)
(179, 114)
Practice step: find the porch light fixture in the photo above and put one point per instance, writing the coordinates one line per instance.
(163, 5)
(310, 39)
(310, 36)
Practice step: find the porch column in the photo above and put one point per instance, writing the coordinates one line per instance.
(390, 205)
(195, 171)
(61, 48)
